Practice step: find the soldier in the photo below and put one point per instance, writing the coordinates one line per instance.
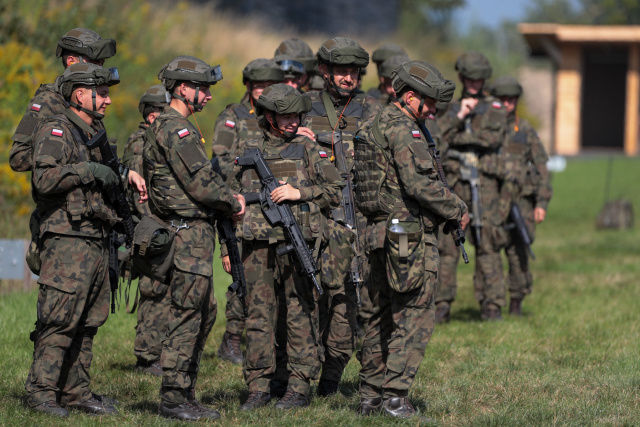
(379, 56)
(76, 46)
(235, 125)
(400, 193)
(385, 92)
(474, 129)
(73, 300)
(294, 48)
(336, 115)
(294, 71)
(310, 184)
(184, 191)
(526, 154)
(153, 309)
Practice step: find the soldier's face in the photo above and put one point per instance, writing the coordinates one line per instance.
(288, 123)
(256, 88)
(102, 98)
(509, 102)
(473, 86)
(294, 82)
(345, 78)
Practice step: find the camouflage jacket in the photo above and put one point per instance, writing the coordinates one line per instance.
(412, 178)
(180, 177)
(45, 103)
(236, 124)
(303, 164)
(69, 201)
(525, 153)
(132, 158)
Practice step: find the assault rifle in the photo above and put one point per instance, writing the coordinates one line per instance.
(519, 228)
(452, 226)
(279, 214)
(227, 234)
(118, 198)
(469, 173)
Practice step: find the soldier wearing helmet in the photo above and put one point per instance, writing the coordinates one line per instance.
(184, 192)
(379, 57)
(310, 184)
(296, 49)
(474, 130)
(155, 301)
(76, 46)
(399, 191)
(527, 158)
(337, 113)
(73, 300)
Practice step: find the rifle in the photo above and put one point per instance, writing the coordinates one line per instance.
(519, 228)
(227, 234)
(118, 198)
(452, 226)
(469, 173)
(279, 214)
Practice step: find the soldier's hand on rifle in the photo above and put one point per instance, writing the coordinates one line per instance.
(464, 221)
(226, 264)
(138, 183)
(539, 215)
(466, 106)
(285, 192)
(306, 132)
(243, 205)
(103, 174)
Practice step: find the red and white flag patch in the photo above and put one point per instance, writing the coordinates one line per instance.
(184, 132)
(431, 117)
(323, 154)
(230, 124)
(415, 133)
(36, 107)
(56, 132)
(496, 104)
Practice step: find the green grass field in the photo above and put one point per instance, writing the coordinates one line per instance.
(573, 359)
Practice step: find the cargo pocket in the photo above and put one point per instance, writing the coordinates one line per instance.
(405, 252)
(189, 290)
(56, 300)
(336, 255)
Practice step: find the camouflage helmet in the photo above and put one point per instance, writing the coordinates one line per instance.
(474, 65)
(299, 50)
(506, 86)
(425, 79)
(391, 63)
(343, 51)
(262, 70)
(85, 74)
(386, 51)
(155, 97)
(189, 69)
(86, 43)
(283, 99)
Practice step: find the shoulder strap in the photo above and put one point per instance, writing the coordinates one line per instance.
(331, 111)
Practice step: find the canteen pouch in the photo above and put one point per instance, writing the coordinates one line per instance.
(405, 255)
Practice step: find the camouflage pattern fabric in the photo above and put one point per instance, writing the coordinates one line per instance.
(234, 314)
(132, 158)
(46, 102)
(337, 308)
(401, 324)
(484, 133)
(153, 315)
(236, 124)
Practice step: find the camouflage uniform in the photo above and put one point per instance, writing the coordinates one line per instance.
(482, 133)
(303, 164)
(402, 285)
(338, 305)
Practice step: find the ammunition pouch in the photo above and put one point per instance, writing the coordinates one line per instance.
(153, 248)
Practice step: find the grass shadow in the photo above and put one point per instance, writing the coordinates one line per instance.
(466, 315)
(146, 406)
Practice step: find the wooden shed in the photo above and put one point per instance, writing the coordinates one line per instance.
(596, 84)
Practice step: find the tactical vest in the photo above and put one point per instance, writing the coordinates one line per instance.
(518, 156)
(251, 129)
(288, 163)
(166, 195)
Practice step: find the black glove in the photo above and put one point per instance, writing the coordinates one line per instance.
(103, 174)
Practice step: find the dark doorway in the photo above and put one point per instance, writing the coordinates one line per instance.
(603, 97)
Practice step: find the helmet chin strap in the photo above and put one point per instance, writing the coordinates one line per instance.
(191, 104)
(93, 113)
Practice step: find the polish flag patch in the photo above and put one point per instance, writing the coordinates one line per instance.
(184, 132)
(415, 133)
(431, 117)
(323, 154)
(496, 104)
(36, 107)
(230, 124)
(56, 132)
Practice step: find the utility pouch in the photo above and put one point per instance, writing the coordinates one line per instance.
(405, 254)
(153, 248)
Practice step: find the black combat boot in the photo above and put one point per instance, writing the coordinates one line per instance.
(207, 413)
(104, 399)
(515, 307)
(400, 407)
(230, 348)
(256, 399)
(52, 408)
(370, 406)
(153, 368)
(180, 411)
(491, 312)
(443, 312)
(327, 388)
(94, 406)
(292, 400)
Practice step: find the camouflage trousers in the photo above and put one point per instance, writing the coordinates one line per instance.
(397, 333)
(73, 302)
(234, 314)
(488, 279)
(193, 311)
(520, 279)
(153, 315)
(267, 274)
